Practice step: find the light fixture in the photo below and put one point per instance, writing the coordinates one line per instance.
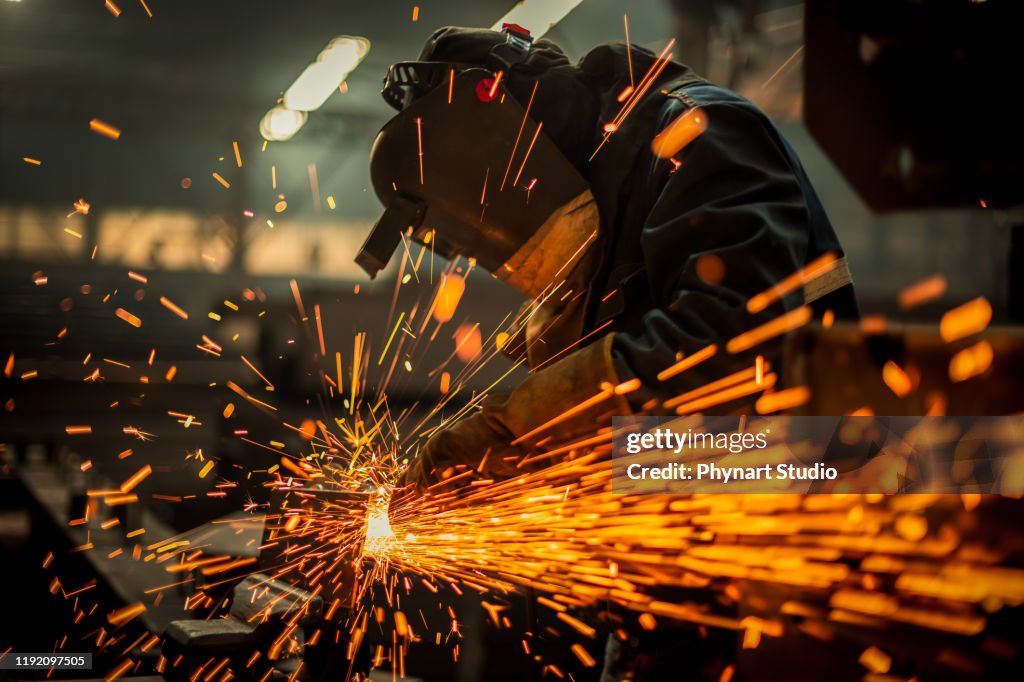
(280, 124)
(537, 16)
(313, 86)
(321, 78)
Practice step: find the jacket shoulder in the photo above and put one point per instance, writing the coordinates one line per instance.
(707, 95)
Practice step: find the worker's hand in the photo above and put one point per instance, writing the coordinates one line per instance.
(553, 406)
(479, 442)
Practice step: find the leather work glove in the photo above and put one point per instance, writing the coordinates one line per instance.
(488, 440)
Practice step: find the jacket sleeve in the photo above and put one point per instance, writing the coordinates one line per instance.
(734, 207)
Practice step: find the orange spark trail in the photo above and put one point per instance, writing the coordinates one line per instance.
(922, 292)
(769, 330)
(128, 317)
(104, 129)
(515, 145)
(963, 321)
(170, 305)
(813, 270)
(319, 330)
(256, 371)
(136, 478)
(688, 362)
(419, 145)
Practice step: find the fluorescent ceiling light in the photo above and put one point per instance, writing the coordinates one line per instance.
(280, 124)
(321, 78)
(537, 16)
(313, 86)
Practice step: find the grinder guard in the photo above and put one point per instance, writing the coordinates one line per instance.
(469, 148)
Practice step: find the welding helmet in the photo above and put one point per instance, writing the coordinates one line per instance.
(465, 168)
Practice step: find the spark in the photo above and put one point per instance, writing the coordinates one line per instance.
(495, 82)
(391, 338)
(688, 362)
(123, 667)
(629, 52)
(319, 330)
(128, 317)
(116, 500)
(689, 403)
(583, 654)
(255, 401)
(449, 293)
(419, 145)
(519, 134)
(922, 292)
(769, 330)
(526, 156)
(337, 366)
(207, 468)
(686, 128)
(897, 379)
(783, 400)
(104, 128)
(298, 299)
(971, 362)
(875, 660)
(796, 53)
(965, 320)
(637, 94)
(256, 372)
(136, 478)
(815, 269)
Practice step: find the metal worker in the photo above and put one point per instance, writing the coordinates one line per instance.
(638, 206)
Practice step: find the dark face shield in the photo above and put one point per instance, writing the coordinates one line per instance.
(408, 81)
(462, 162)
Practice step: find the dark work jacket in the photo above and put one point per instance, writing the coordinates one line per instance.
(738, 193)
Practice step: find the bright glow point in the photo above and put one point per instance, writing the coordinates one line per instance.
(537, 16)
(321, 78)
(379, 536)
(280, 124)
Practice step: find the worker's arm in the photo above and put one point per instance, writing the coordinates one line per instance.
(734, 201)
